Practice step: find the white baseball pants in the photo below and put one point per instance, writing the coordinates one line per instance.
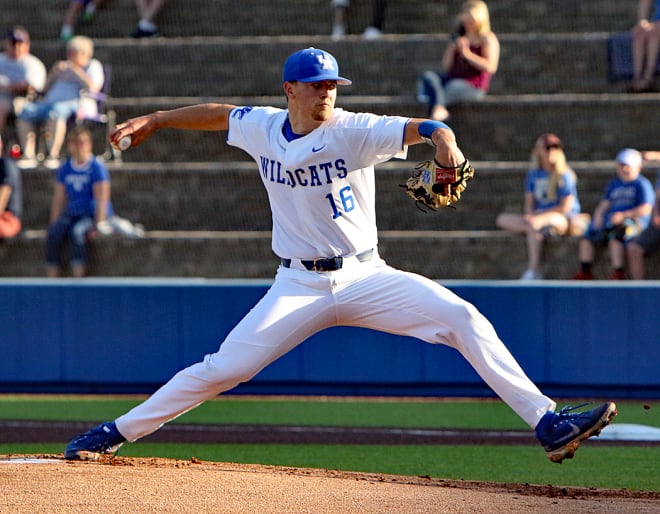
(370, 295)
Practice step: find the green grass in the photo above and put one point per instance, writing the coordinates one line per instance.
(630, 467)
(331, 411)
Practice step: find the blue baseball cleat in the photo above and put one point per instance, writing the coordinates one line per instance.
(104, 439)
(560, 433)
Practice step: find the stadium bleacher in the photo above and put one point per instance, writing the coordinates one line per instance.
(200, 200)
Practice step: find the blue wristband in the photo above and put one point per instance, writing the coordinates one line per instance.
(426, 129)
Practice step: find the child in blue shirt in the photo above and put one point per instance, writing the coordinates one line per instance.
(624, 212)
(81, 200)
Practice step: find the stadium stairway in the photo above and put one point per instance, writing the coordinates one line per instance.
(229, 196)
(539, 88)
(230, 66)
(212, 220)
(443, 255)
(200, 200)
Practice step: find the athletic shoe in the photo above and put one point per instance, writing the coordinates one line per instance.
(66, 33)
(617, 275)
(104, 439)
(139, 33)
(372, 33)
(531, 274)
(27, 163)
(583, 275)
(52, 163)
(560, 433)
(90, 12)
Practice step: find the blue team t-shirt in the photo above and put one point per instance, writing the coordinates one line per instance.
(537, 181)
(624, 196)
(78, 182)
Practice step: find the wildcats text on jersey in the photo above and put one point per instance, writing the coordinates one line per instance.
(310, 176)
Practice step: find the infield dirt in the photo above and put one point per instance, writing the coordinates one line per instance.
(141, 485)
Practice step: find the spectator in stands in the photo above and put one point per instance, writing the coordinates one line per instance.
(81, 202)
(623, 212)
(373, 31)
(468, 64)
(21, 73)
(649, 240)
(551, 206)
(66, 81)
(645, 46)
(81, 208)
(11, 197)
(83, 10)
(147, 10)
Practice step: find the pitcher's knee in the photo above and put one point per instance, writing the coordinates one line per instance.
(221, 367)
(467, 324)
(464, 314)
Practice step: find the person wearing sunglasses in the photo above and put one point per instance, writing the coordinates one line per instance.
(552, 206)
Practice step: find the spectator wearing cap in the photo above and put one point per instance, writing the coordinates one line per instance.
(21, 73)
(11, 197)
(648, 241)
(66, 80)
(623, 212)
(551, 203)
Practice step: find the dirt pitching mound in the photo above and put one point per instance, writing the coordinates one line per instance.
(47, 483)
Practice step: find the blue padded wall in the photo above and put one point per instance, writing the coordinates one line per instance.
(119, 335)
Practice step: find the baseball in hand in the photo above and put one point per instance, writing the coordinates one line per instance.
(124, 143)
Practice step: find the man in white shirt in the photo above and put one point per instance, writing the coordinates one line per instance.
(62, 100)
(21, 73)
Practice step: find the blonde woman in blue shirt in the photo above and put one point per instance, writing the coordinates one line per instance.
(551, 202)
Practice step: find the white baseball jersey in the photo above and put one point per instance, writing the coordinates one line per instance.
(328, 173)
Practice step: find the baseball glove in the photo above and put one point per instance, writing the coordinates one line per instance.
(433, 185)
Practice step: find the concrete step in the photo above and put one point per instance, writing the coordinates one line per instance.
(226, 66)
(293, 17)
(472, 255)
(498, 128)
(229, 196)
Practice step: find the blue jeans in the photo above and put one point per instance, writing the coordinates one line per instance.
(42, 111)
(435, 89)
(68, 228)
(623, 232)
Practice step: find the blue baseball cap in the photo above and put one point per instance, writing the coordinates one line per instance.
(312, 65)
